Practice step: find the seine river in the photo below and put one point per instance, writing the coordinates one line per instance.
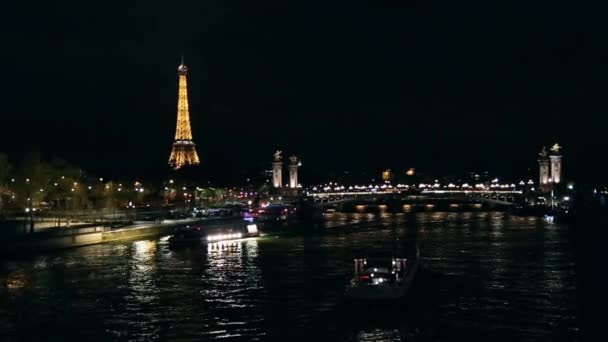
(486, 276)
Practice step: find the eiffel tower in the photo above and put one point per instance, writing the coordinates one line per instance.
(184, 149)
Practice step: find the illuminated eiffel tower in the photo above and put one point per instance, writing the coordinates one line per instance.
(184, 150)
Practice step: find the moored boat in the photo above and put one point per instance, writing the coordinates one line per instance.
(208, 233)
(382, 279)
(276, 213)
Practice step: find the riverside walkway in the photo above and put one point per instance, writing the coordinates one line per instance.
(76, 236)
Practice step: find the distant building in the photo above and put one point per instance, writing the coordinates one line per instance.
(294, 163)
(387, 176)
(550, 168)
(291, 188)
(277, 170)
(556, 164)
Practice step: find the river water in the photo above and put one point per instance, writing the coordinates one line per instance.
(485, 276)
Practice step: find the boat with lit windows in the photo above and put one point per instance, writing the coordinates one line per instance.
(276, 213)
(207, 233)
(382, 279)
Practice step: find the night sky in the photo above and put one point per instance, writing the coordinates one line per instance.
(443, 87)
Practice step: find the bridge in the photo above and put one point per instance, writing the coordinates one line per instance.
(504, 197)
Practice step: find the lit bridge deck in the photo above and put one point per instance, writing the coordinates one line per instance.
(495, 196)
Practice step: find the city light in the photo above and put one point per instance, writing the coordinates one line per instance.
(220, 237)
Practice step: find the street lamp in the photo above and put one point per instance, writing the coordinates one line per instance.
(30, 204)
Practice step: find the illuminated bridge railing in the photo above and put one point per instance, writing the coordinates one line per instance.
(467, 192)
(423, 192)
(352, 193)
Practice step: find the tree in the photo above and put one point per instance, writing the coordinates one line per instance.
(34, 178)
(29, 186)
(220, 193)
(5, 169)
(264, 188)
(66, 188)
(109, 195)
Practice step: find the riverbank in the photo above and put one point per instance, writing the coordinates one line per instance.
(61, 238)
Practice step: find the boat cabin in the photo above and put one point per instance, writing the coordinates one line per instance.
(373, 272)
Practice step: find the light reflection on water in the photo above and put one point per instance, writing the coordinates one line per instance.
(486, 276)
(142, 273)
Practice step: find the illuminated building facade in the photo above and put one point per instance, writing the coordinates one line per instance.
(556, 164)
(543, 164)
(387, 176)
(550, 168)
(293, 172)
(183, 152)
(277, 170)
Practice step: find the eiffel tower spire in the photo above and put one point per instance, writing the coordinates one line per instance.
(184, 149)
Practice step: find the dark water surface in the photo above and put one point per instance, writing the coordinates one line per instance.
(486, 276)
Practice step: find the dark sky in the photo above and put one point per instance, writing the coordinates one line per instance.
(441, 86)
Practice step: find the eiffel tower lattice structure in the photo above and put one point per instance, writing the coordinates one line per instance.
(183, 152)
